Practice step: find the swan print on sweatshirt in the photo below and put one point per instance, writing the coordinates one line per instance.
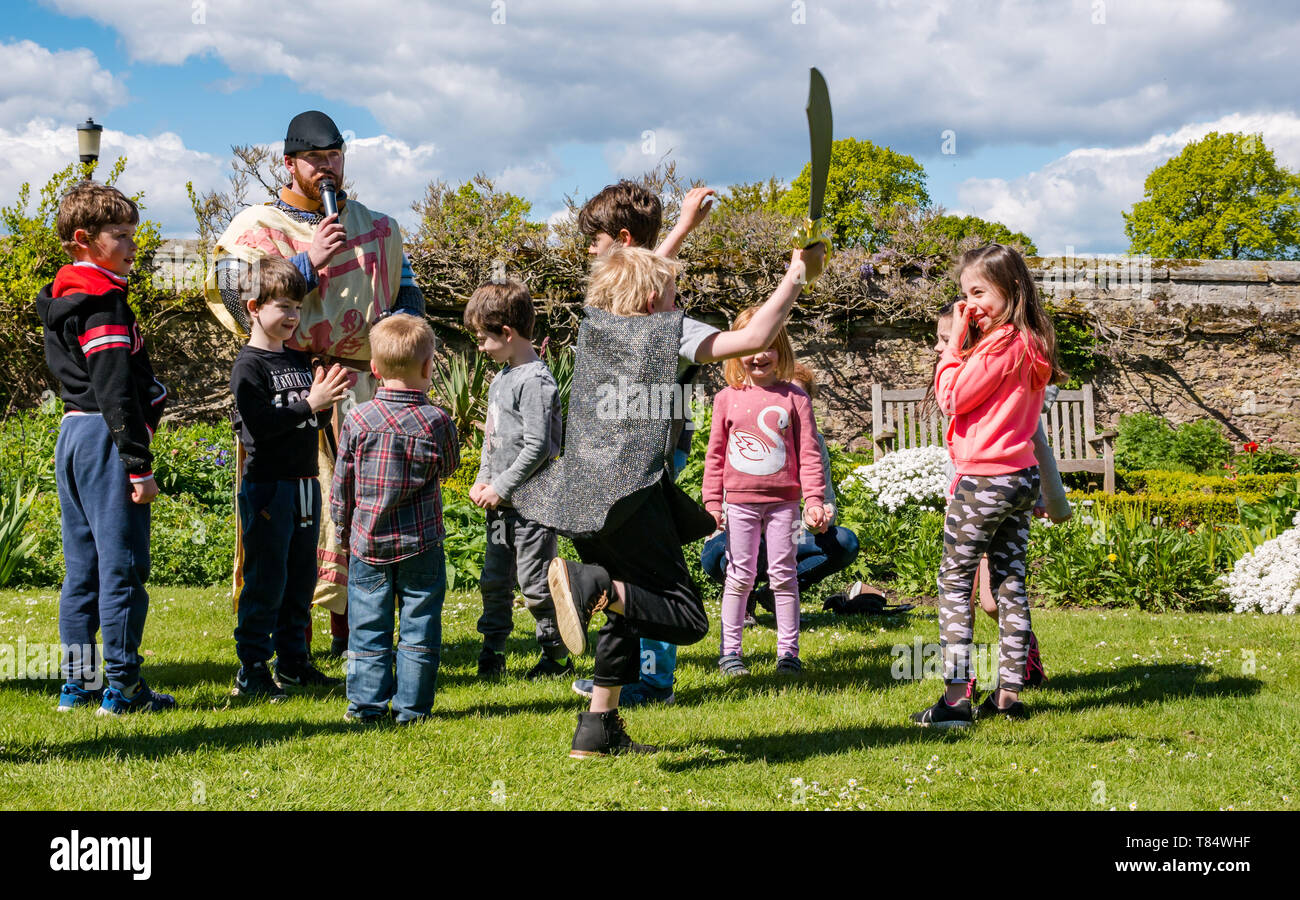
(763, 448)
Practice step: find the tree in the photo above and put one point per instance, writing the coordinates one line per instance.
(1222, 197)
(958, 227)
(31, 256)
(862, 176)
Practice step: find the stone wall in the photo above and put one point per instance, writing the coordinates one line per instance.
(1187, 339)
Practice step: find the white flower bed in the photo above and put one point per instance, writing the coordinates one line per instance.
(919, 475)
(1268, 579)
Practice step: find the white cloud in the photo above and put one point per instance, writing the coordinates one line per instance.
(67, 85)
(159, 166)
(731, 74)
(1077, 200)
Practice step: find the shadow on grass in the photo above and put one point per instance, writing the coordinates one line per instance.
(1142, 685)
(791, 746)
(233, 736)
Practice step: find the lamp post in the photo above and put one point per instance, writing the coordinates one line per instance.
(88, 135)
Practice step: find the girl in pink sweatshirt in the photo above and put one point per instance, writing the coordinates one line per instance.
(763, 455)
(993, 393)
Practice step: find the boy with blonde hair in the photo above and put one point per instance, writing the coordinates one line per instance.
(612, 491)
(387, 504)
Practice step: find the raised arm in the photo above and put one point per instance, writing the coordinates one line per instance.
(694, 211)
(761, 330)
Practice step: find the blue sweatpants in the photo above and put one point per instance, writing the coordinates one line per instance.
(105, 551)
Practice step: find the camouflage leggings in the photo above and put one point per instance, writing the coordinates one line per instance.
(987, 514)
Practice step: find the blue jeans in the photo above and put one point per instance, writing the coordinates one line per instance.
(414, 588)
(281, 524)
(106, 553)
(818, 556)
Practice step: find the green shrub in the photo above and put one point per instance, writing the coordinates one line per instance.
(1265, 460)
(1158, 481)
(1109, 557)
(27, 440)
(197, 461)
(1180, 509)
(1146, 441)
(1201, 445)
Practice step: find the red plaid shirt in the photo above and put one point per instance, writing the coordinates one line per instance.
(385, 500)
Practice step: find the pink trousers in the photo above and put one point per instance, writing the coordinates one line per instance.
(748, 524)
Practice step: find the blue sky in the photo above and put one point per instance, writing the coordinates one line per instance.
(1059, 108)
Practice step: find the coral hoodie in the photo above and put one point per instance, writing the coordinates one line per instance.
(993, 398)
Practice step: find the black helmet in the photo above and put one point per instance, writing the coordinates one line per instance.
(312, 130)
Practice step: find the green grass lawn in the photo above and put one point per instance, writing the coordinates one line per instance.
(1142, 712)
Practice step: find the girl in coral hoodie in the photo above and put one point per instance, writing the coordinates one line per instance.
(763, 453)
(993, 392)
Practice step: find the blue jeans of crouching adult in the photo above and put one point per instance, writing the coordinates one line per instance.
(818, 556)
(105, 552)
(413, 589)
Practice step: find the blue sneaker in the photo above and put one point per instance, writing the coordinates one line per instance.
(641, 694)
(145, 700)
(637, 694)
(73, 695)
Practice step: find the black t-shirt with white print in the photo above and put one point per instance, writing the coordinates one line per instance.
(272, 417)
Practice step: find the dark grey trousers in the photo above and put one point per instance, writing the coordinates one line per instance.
(518, 552)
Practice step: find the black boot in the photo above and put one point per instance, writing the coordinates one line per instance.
(579, 592)
(602, 734)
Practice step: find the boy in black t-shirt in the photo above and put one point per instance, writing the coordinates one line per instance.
(279, 407)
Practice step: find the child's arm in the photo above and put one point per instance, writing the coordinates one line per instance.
(538, 397)
(715, 460)
(106, 337)
(343, 487)
(256, 401)
(812, 478)
(1049, 478)
(828, 498)
(694, 211)
(444, 438)
(761, 330)
(961, 385)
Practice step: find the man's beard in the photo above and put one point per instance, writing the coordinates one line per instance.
(311, 190)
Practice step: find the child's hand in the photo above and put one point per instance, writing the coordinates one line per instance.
(1040, 511)
(719, 519)
(327, 388)
(144, 491)
(811, 260)
(1069, 512)
(488, 498)
(815, 518)
(475, 492)
(695, 207)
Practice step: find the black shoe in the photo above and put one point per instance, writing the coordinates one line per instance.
(491, 664)
(763, 597)
(941, 715)
(989, 708)
(255, 682)
(338, 647)
(548, 668)
(301, 673)
(579, 592)
(602, 734)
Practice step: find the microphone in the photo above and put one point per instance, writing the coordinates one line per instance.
(328, 197)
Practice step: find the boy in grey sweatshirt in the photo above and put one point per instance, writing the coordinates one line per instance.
(523, 433)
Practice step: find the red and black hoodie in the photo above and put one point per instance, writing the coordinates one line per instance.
(94, 348)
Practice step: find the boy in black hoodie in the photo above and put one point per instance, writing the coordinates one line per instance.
(112, 404)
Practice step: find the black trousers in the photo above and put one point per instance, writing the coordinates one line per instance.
(644, 551)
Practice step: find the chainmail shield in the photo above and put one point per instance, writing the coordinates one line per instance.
(614, 445)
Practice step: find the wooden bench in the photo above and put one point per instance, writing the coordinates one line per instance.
(898, 423)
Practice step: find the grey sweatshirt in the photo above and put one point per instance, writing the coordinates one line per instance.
(524, 427)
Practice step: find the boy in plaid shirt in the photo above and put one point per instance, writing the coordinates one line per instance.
(386, 502)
